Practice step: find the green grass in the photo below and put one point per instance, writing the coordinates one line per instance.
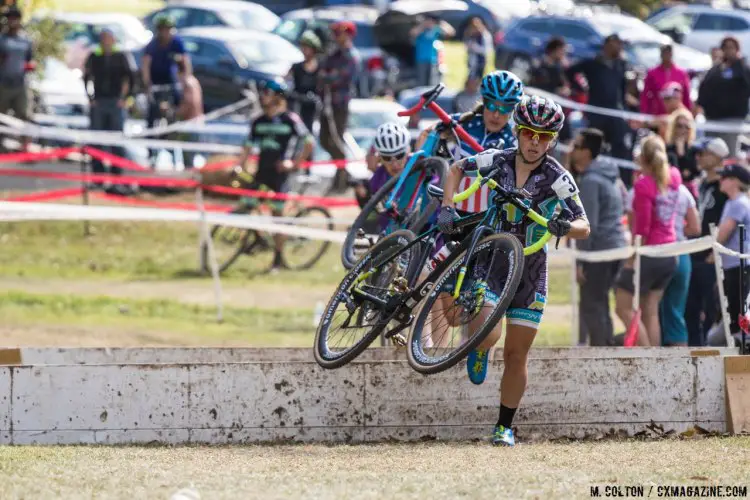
(197, 324)
(132, 251)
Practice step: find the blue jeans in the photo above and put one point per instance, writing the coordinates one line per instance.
(672, 307)
(105, 114)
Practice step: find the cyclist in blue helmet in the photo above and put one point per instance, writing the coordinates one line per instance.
(488, 122)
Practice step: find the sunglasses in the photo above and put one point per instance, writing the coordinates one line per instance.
(542, 136)
(389, 158)
(492, 106)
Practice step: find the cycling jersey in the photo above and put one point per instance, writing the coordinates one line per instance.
(550, 187)
(503, 139)
(277, 138)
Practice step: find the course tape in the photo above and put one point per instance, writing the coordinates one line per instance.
(708, 126)
(175, 182)
(24, 211)
(54, 194)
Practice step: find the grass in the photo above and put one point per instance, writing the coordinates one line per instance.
(153, 320)
(135, 7)
(393, 471)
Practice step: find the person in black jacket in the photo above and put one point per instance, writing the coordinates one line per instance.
(549, 74)
(723, 95)
(111, 71)
(304, 78)
(606, 76)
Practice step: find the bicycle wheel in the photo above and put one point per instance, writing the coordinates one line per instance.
(374, 214)
(229, 242)
(354, 319)
(302, 253)
(442, 317)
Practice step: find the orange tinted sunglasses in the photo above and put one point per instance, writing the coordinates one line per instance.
(530, 134)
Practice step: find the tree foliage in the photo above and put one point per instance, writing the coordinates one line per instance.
(48, 36)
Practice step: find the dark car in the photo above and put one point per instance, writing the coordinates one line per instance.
(524, 41)
(378, 67)
(226, 60)
(454, 12)
(229, 13)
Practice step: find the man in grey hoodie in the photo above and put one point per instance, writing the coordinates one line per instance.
(601, 193)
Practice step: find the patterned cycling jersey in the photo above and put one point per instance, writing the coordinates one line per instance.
(550, 187)
(502, 139)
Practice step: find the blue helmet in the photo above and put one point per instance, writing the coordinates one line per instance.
(502, 86)
(274, 84)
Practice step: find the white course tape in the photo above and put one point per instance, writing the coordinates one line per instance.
(709, 126)
(23, 211)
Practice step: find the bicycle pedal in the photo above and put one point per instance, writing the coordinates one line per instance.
(399, 340)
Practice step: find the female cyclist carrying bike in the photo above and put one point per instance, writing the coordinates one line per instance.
(548, 186)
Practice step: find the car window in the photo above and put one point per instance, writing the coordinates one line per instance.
(200, 17)
(204, 49)
(290, 29)
(573, 31)
(719, 22)
(178, 15)
(255, 19)
(75, 31)
(537, 26)
(365, 36)
(680, 21)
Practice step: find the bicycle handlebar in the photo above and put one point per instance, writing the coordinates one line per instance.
(513, 198)
(427, 101)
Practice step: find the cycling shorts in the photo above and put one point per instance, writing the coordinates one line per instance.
(277, 206)
(527, 307)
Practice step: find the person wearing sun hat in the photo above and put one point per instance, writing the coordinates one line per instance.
(734, 183)
(304, 77)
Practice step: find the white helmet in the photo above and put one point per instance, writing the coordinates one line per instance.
(392, 138)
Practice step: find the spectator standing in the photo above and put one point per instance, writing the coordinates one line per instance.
(467, 99)
(680, 138)
(656, 81)
(724, 93)
(701, 303)
(111, 74)
(159, 65)
(337, 72)
(672, 306)
(478, 41)
(304, 78)
(734, 183)
(671, 99)
(16, 54)
(191, 105)
(548, 74)
(607, 83)
(716, 56)
(601, 194)
(426, 35)
(655, 203)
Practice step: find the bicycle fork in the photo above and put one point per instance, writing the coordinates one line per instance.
(478, 234)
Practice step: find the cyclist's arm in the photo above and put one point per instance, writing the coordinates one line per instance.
(146, 70)
(305, 138)
(248, 148)
(456, 173)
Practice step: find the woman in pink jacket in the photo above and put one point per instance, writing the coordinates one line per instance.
(655, 206)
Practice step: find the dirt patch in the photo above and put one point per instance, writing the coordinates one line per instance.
(393, 471)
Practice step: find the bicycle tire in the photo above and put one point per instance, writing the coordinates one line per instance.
(246, 242)
(324, 244)
(348, 257)
(416, 357)
(394, 242)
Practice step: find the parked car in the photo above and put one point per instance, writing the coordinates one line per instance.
(366, 115)
(58, 90)
(229, 13)
(378, 69)
(83, 29)
(458, 13)
(226, 60)
(703, 27)
(525, 39)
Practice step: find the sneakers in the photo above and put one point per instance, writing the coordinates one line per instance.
(503, 436)
(476, 365)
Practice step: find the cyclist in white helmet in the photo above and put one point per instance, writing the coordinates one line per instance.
(392, 149)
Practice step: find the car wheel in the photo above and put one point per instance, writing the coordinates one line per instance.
(520, 65)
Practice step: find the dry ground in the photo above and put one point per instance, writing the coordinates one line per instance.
(387, 471)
